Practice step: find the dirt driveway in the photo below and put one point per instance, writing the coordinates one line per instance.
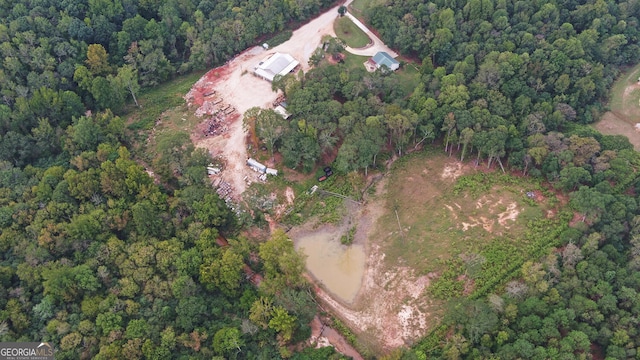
(237, 87)
(234, 86)
(240, 90)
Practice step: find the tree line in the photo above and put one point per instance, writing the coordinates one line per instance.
(100, 256)
(100, 259)
(508, 84)
(63, 57)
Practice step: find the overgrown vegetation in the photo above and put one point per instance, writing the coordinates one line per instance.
(99, 259)
(347, 238)
(154, 102)
(321, 205)
(279, 38)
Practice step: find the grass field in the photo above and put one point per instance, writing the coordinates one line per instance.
(159, 99)
(163, 105)
(617, 98)
(449, 212)
(409, 78)
(354, 61)
(360, 7)
(178, 118)
(440, 220)
(351, 34)
(624, 105)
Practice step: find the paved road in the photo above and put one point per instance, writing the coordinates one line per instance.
(370, 50)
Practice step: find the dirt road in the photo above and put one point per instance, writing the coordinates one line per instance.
(323, 335)
(236, 86)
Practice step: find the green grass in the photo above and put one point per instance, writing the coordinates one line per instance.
(616, 102)
(352, 61)
(178, 118)
(351, 34)
(360, 7)
(409, 78)
(442, 218)
(159, 99)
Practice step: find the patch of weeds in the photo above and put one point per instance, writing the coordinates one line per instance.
(552, 201)
(531, 214)
(371, 190)
(296, 215)
(246, 220)
(330, 210)
(279, 38)
(155, 101)
(431, 344)
(324, 206)
(529, 201)
(347, 239)
(447, 285)
(344, 330)
(260, 198)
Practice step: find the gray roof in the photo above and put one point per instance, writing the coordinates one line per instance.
(383, 58)
(276, 64)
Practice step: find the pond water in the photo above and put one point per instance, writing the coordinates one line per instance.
(339, 268)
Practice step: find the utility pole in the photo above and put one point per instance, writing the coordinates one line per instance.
(399, 226)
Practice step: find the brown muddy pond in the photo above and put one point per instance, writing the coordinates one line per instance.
(338, 267)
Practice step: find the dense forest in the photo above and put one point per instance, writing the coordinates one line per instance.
(60, 58)
(97, 257)
(511, 80)
(105, 263)
(508, 84)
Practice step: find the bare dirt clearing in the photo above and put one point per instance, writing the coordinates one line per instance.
(392, 307)
(624, 116)
(615, 123)
(451, 171)
(492, 205)
(234, 85)
(389, 309)
(232, 89)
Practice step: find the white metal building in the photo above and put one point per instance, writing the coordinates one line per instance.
(276, 64)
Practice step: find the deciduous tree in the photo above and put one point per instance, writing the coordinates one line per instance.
(98, 60)
(283, 265)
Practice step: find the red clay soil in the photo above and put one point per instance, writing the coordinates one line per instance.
(211, 78)
(538, 197)
(575, 220)
(318, 329)
(596, 352)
